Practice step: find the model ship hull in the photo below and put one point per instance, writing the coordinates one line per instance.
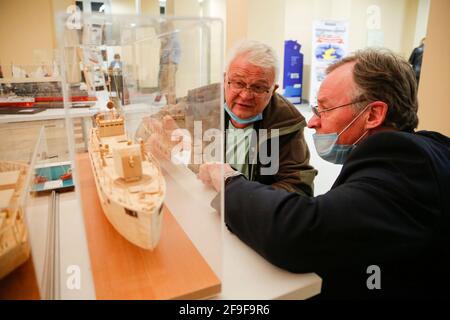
(14, 246)
(133, 208)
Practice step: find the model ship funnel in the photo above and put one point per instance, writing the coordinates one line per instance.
(128, 162)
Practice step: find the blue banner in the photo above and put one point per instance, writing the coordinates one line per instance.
(293, 71)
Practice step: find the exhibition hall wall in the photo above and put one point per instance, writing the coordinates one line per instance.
(401, 22)
(434, 98)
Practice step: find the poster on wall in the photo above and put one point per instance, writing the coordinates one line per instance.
(329, 44)
(293, 71)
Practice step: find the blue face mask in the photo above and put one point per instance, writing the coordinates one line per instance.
(329, 150)
(239, 120)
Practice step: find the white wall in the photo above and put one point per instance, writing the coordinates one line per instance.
(423, 11)
(266, 27)
(274, 21)
(123, 6)
(150, 7)
(193, 70)
(27, 32)
(217, 9)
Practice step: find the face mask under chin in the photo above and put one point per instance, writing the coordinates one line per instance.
(258, 117)
(327, 147)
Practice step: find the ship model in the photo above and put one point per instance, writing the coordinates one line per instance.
(14, 246)
(129, 181)
(16, 101)
(45, 94)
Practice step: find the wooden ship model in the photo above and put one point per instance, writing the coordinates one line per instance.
(14, 246)
(129, 181)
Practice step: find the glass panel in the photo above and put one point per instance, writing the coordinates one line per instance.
(157, 87)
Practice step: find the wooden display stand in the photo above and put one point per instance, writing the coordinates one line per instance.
(121, 270)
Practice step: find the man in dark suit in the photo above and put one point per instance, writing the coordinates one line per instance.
(383, 230)
(415, 59)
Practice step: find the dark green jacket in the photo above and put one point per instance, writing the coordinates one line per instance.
(294, 174)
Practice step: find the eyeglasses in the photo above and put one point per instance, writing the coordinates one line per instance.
(316, 111)
(239, 85)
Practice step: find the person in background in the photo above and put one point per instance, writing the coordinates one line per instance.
(116, 80)
(416, 59)
(383, 230)
(116, 63)
(170, 55)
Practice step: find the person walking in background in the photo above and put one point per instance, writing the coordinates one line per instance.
(170, 54)
(416, 59)
(116, 63)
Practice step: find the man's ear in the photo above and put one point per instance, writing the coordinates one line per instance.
(274, 89)
(377, 115)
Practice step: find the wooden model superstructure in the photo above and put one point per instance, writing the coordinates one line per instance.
(14, 246)
(129, 182)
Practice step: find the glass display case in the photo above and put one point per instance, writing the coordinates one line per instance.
(38, 207)
(153, 229)
(22, 235)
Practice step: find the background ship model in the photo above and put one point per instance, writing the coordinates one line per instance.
(129, 181)
(47, 94)
(14, 247)
(16, 101)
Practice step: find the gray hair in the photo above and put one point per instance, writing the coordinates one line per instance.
(382, 75)
(257, 53)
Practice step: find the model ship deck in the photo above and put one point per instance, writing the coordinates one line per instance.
(135, 195)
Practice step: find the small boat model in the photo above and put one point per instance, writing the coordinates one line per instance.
(16, 101)
(66, 176)
(129, 181)
(14, 247)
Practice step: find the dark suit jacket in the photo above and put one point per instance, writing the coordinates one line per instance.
(389, 207)
(415, 59)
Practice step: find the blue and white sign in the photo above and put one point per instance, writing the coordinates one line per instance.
(329, 44)
(293, 71)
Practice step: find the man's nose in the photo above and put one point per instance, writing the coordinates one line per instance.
(246, 93)
(314, 122)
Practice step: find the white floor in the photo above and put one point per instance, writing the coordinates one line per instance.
(328, 172)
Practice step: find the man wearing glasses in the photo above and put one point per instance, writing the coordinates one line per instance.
(257, 119)
(383, 230)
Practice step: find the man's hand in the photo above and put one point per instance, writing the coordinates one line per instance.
(211, 174)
